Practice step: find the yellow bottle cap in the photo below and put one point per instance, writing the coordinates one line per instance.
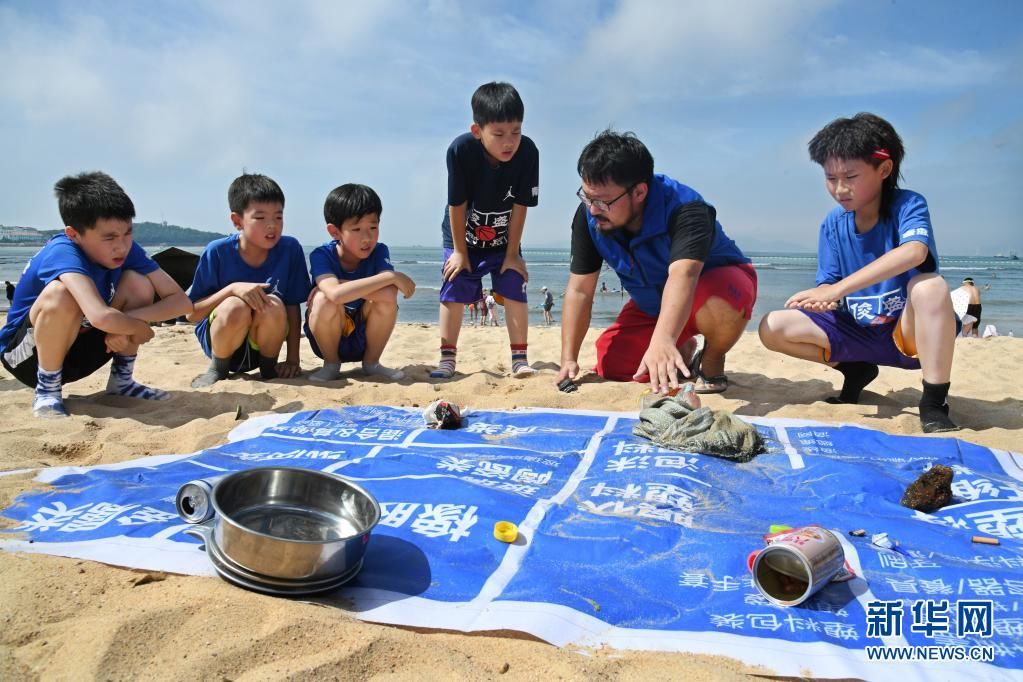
(506, 531)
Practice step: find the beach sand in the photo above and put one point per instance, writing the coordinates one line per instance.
(71, 619)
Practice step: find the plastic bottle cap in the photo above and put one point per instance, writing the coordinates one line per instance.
(506, 531)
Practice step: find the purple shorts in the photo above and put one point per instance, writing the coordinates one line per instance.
(467, 286)
(852, 342)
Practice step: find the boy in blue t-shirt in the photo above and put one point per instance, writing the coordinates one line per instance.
(85, 297)
(493, 176)
(879, 298)
(248, 288)
(354, 303)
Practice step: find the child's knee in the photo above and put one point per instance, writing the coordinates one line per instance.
(133, 291)
(56, 301)
(323, 307)
(274, 312)
(233, 313)
(929, 287)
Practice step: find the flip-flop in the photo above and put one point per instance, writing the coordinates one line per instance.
(696, 370)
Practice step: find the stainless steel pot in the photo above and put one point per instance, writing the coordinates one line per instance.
(296, 524)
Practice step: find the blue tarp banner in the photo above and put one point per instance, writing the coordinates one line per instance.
(622, 543)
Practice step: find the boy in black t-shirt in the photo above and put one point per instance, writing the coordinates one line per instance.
(493, 176)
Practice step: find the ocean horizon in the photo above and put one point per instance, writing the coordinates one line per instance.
(780, 274)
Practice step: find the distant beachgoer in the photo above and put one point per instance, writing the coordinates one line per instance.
(492, 308)
(879, 299)
(10, 290)
(548, 303)
(684, 275)
(473, 312)
(603, 288)
(973, 307)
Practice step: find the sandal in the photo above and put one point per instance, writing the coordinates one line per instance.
(715, 384)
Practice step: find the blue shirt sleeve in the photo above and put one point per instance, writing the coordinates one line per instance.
(914, 221)
(205, 281)
(320, 261)
(60, 258)
(138, 261)
(298, 276)
(382, 259)
(829, 267)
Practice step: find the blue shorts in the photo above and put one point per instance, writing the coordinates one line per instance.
(878, 344)
(467, 286)
(352, 346)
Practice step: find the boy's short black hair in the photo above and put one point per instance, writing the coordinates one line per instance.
(350, 201)
(497, 103)
(616, 157)
(867, 137)
(250, 187)
(85, 198)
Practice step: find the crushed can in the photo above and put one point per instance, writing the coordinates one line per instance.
(797, 563)
(194, 500)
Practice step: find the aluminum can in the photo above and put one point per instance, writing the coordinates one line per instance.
(193, 500)
(796, 564)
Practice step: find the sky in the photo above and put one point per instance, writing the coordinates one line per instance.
(175, 99)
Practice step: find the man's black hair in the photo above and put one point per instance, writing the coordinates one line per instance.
(860, 137)
(616, 157)
(85, 198)
(350, 201)
(496, 103)
(250, 187)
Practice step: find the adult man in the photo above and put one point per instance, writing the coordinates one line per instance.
(966, 301)
(548, 303)
(683, 274)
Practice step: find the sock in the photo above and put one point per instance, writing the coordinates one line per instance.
(219, 369)
(934, 409)
(375, 368)
(48, 401)
(122, 383)
(520, 364)
(446, 366)
(857, 376)
(267, 367)
(329, 372)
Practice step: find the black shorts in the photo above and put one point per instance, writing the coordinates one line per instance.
(87, 354)
(974, 309)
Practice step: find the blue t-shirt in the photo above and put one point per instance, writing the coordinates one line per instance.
(325, 261)
(489, 191)
(284, 271)
(60, 255)
(841, 251)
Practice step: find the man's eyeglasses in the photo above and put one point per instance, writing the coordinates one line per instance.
(599, 204)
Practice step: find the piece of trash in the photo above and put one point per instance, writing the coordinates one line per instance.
(884, 542)
(931, 491)
(689, 396)
(797, 563)
(147, 578)
(238, 414)
(777, 528)
(984, 540)
(568, 386)
(858, 533)
(506, 531)
(441, 414)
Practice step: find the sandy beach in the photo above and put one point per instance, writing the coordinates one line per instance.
(71, 619)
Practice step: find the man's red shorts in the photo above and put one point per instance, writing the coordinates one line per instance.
(622, 345)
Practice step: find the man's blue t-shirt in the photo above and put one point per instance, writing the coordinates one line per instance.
(841, 251)
(284, 271)
(325, 261)
(60, 255)
(489, 191)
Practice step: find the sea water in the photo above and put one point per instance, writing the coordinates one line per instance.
(780, 275)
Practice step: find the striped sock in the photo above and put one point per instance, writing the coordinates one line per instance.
(520, 363)
(446, 366)
(122, 383)
(48, 402)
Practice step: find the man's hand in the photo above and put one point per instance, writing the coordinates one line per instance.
(824, 297)
(288, 369)
(253, 293)
(662, 362)
(405, 284)
(118, 343)
(513, 261)
(569, 370)
(454, 265)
